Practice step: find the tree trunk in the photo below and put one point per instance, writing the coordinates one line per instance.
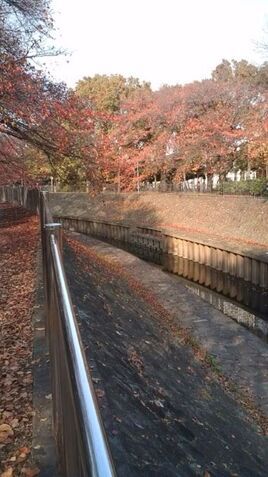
(118, 181)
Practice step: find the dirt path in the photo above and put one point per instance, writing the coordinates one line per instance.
(164, 412)
(18, 243)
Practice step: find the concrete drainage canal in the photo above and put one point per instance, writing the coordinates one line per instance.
(233, 280)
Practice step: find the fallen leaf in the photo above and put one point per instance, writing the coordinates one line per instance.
(14, 422)
(100, 393)
(7, 473)
(30, 471)
(22, 457)
(6, 431)
(24, 450)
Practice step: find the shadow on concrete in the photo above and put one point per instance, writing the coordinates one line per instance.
(164, 413)
(120, 208)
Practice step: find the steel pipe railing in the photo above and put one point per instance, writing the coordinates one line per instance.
(89, 453)
(82, 446)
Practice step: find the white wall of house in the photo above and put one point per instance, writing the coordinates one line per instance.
(241, 175)
(201, 183)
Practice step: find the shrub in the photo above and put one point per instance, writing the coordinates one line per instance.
(255, 187)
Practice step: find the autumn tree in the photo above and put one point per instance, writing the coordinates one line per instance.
(33, 109)
(24, 24)
(12, 167)
(203, 127)
(223, 71)
(106, 96)
(241, 72)
(106, 93)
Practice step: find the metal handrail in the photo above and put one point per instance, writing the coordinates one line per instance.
(76, 408)
(99, 460)
(82, 446)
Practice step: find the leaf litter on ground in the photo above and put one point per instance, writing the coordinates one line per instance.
(18, 247)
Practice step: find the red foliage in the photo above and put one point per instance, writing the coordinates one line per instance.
(44, 115)
(185, 129)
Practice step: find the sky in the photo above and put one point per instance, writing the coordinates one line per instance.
(161, 41)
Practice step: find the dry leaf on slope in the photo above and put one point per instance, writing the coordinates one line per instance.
(6, 431)
(30, 471)
(7, 473)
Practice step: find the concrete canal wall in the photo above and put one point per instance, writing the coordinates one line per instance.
(235, 273)
(232, 218)
(218, 243)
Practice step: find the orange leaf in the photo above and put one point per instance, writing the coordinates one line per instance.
(30, 471)
(5, 432)
(7, 473)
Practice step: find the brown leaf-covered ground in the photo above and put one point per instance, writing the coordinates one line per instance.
(18, 246)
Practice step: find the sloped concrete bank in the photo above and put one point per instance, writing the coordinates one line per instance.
(164, 412)
(232, 218)
(227, 269)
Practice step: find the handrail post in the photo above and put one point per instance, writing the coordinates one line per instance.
(48, 230)
(54, 228)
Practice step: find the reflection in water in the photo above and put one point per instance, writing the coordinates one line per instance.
(252, 296)
(252, 301)
(257, 324)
